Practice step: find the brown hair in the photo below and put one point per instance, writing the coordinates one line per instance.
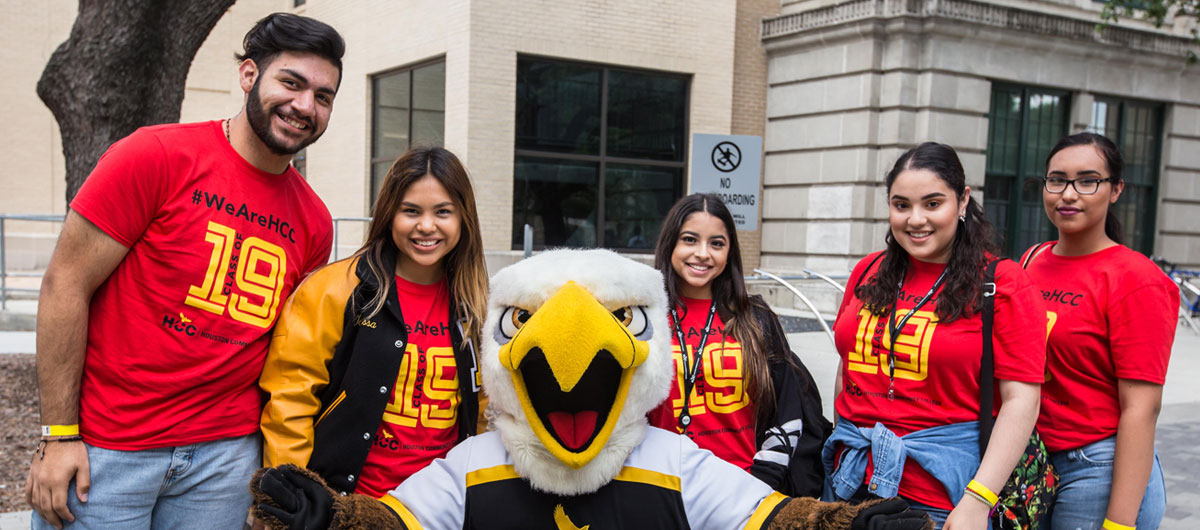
(466, 271)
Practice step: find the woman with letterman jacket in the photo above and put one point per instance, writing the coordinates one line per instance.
(372, 372)
(1112, 318)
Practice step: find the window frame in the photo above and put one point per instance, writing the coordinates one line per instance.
(1008, 243)
(602, 160)
(1150, 217)
(373, 157)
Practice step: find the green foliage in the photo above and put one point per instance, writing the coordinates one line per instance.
(1156, 12)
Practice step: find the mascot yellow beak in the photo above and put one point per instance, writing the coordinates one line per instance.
(571, 363)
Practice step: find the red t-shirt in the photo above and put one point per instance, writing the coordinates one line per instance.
(1112, 315)
(937, 364)
(177, 335)
(722, 414)
(420, 422)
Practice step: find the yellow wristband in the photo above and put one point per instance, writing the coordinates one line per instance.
(60, 430)
(1109, 525)
(983, 491)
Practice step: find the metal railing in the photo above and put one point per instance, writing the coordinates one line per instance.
(337, 230)
(4, 274)
(808, 275)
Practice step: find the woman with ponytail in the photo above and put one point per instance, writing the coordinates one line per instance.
(1112, 323)
(909, 332)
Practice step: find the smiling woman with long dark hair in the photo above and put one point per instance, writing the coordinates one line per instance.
(740, 391)
(909, 332)
(369, 370)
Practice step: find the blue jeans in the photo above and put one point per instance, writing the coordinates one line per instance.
(938, 515)
(201, 486)
(1085, 479)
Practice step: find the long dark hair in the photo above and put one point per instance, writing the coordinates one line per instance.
(740, 313)
(466, 272)
(974, 240)
(1116, 164)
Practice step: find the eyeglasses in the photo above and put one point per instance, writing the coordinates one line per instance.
(1082, 186)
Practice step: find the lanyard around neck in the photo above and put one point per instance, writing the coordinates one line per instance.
(690, 372)
(895, 328)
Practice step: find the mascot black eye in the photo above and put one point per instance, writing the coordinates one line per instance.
(633, 318)
(512, 320)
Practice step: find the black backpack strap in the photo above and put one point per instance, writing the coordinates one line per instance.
(987, 380)
(1032, 253)
(868, 269)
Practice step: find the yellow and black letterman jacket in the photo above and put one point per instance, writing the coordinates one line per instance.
(330, 372)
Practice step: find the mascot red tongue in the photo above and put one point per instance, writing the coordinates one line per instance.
(574, 429)
(575, 351)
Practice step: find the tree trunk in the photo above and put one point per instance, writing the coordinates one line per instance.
(124, 66)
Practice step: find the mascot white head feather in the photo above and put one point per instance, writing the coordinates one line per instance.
(587, 329)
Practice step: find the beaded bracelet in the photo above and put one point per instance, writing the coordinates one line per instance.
(40, 451)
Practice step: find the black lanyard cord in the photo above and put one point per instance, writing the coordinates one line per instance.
(690, 373)
(895, 328)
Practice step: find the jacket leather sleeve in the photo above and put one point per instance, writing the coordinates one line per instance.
(790, 442)
(296, 369)
(780, 445)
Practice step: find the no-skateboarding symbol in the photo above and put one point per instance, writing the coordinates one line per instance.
(733, 171)
(726, 157)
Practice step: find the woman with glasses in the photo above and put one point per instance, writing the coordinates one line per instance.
(1111, 322)
(910, 335)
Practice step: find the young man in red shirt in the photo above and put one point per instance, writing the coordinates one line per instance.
(157, 305)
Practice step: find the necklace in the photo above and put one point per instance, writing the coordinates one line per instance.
(895, 328)
(690, 372)
(225, 125)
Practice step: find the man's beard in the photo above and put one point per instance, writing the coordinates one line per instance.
(260, 122)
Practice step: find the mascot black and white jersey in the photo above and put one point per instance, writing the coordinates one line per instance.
(576, 350)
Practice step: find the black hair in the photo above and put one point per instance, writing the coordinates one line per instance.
(974, 241)
(284, 32)
(1116, 165)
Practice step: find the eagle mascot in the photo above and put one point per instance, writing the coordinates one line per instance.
(576, 350)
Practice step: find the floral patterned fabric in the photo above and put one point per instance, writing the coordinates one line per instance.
(1029, 492)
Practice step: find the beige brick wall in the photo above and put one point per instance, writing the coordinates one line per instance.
(750, 98)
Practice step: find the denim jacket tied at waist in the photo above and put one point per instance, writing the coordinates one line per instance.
(948, 452)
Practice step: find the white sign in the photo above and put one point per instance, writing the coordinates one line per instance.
(729, 166)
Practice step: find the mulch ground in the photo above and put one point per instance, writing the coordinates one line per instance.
(18, 427)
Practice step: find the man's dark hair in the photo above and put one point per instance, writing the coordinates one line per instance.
(285, 32)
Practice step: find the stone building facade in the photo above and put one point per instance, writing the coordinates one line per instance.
(853, 84)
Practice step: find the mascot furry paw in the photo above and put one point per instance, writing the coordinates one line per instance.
(576, 351)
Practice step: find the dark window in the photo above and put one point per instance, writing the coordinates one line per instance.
(408, 108)
(1023, 125)
(600, 153)
(1136, 127)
